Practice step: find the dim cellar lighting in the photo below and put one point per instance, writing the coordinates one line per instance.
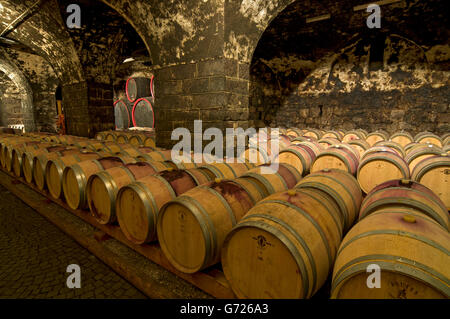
(128, 60)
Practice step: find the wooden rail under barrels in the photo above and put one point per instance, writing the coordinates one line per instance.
(211, 281)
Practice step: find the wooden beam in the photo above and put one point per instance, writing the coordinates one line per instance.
(318, 18)
(380, 3)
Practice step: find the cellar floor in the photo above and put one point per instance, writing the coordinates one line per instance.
(34, 255)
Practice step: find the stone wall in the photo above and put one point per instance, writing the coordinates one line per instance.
(214, 91)
(337, 73)
(10, 102)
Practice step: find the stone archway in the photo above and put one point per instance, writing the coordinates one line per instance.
(26, 94)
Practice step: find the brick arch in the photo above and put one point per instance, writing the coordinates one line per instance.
(26, 94)
(129, 11)
(45, 34)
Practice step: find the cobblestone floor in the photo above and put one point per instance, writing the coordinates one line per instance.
(34, 255)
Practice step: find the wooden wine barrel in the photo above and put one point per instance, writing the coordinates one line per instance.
(326, 142)
(427, 137)
(90, 145)
(294, 132)
(342, 187)
(353, 135)
(405, 193)
(333, 134)
(402, 138)
(360, 146)
(28, 160)
(284, 247)
(301, 139)
(150, 154)
(102, 188)
(408, 148)
(40, 164)
(111, 137)
(317, 134)
(298, 157)
(137, 87)
(348, 147)
(143, 114)
(377, 136)
(434, 172)
(7, 149)
(192, 228)
(75, 178)
(17, 156)
(150, 141)
(226, 170)
(337, 157)
(257, 156)
(377, 149)
(314, 146)
(139, 203)
(54, 170)
(395, 146)
(379, 167)
(446, 148)
(100, 136)
(416, 266)
(286, 177)
(445, 139)
(138, 139)
(122, 114)
(420, 153)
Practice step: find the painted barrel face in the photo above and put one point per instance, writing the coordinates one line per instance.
(336, 157)
(137, 88)
(143, 115)
(75, 178)
(122, 114)
(415, 267)
(402, 138)
(192, 228)
(405, 193)
(342, 187)
(434, 172)
(376, 137)
(298, 157)
(379, 167)
(284, 247)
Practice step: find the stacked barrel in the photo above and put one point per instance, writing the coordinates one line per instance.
(297, 207)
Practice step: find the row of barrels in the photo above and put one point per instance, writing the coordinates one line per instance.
(278, 235)
(135, 138)
(136, 109)
(372, 165)
(287, 244)
(137, 114)
(402, 137)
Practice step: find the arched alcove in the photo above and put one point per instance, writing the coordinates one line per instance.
(321, 66)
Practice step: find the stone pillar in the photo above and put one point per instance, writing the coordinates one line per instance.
(88, 108)
(213, 90)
